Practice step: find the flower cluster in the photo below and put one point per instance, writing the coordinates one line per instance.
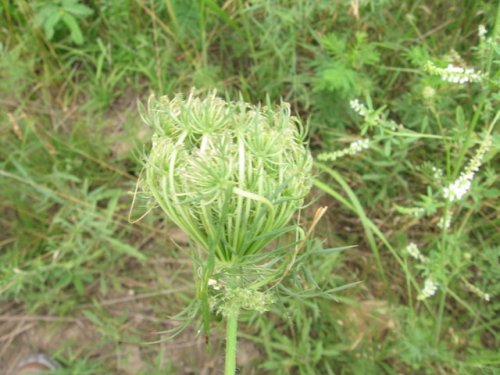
(444, 223)
(358, 107)
(454, 74)
(230, 174)
(430, 288)
(373, 117)
(413, 250)
(233, 299)
(458, 188)
(481, 31)
(478, 292)
(437, 173)
(354, 148)
(359, 145)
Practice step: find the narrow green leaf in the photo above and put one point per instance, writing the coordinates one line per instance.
(125, 248)
(78, 10)
(50, 24)
(460, 118)
(76, 33)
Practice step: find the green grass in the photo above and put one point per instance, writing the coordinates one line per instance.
(70, 155)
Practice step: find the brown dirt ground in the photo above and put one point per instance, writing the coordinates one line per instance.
(78, 338)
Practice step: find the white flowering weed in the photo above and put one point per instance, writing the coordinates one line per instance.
(454, 74)
(444, 223)
(413, 250)
(481, 31)
(430, 288)
(353, 149)
(458, 188)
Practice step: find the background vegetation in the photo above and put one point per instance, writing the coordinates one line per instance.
(78, 280)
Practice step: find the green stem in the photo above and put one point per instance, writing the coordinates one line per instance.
(440, 313)
(445, 141)
(231, 334)
(408, 286)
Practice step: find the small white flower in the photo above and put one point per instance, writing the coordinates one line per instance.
(481, 31)
(373, 117)
(354, 148)
(214, 284)
(444, 224)
(454, 74)
(413, 250)
(437, 173)
(430, 288)
(358, 107)
(458, 188)
(359, 146)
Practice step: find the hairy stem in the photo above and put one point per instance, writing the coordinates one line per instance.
(231, 334)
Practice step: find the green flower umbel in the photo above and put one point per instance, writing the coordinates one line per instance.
(230, 174)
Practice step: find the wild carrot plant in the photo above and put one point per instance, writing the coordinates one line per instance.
(232, 176)
(409, 167)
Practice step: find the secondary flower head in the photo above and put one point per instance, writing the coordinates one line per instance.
(430, 288)
(230, 174)
(458, 188)
(354, 148)
(481, 31)
(455, 74)
(413, 250)
(444, 223)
